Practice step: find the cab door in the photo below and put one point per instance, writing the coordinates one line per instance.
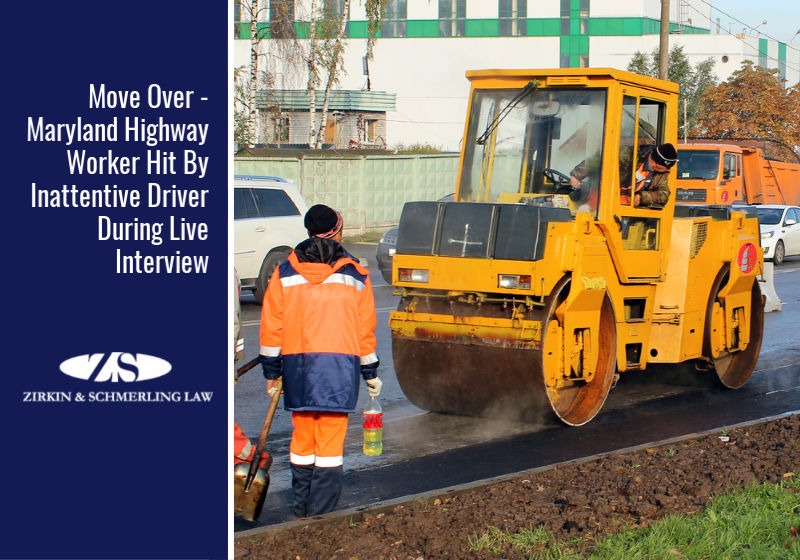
(641, 234)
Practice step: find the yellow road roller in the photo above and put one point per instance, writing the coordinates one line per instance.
(542, 281)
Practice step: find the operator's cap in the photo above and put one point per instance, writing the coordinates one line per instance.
(322, 221)
(665, 155)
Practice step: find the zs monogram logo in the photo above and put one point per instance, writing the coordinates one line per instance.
(115, 367)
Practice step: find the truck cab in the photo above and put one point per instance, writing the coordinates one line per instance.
(709, 174)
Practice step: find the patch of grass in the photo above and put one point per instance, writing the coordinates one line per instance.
(533, 543)
(754, 522)
(758, 522)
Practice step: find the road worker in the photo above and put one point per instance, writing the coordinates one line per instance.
(652, 188)
(318, 334)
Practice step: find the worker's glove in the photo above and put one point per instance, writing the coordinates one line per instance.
(374, 387)
(272, 387)
(272, 366)
(266, 460)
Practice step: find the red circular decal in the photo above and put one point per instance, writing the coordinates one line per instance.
(747, 258)
(724, 196)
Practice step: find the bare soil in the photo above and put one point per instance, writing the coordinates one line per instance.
(584, 500)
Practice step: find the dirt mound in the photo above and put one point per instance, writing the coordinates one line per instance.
(583, 501)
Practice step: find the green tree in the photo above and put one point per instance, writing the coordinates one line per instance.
(280, 59)
(325, 61)
(751, 104)
(274, 50)
(692, 81)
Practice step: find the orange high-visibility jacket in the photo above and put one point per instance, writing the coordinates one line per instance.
(320, 319)
(242, 448)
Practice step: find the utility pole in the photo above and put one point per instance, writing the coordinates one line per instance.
(663, 44)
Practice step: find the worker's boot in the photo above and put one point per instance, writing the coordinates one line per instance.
(326, 487)
(301, 488)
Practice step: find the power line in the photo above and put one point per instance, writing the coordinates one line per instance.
(771, 58)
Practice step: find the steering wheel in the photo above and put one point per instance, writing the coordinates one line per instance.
(560, 180)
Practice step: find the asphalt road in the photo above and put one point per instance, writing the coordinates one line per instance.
(419, 445)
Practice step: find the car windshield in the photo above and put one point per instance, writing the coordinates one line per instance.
(770, 216)
(698, 164)
(514, 138)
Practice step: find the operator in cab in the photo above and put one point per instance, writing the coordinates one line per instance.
(652, 186)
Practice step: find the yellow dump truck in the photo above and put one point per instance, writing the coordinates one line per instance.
(724, 173)
(520, 299)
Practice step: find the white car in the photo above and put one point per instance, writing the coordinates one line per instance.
(268, 217)
(780, 231)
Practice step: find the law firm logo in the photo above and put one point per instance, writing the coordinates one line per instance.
(115, 367)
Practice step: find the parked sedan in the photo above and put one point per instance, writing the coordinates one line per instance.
(387, 244)
(780, 231)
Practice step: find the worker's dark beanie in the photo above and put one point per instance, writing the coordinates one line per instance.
(322, 221)
(665, 155)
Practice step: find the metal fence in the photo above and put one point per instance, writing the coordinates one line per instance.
(369, 190)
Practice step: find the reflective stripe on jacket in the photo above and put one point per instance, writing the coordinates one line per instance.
(321, 320)
(242, 448)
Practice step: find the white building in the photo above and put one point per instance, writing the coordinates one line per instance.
(426, 46)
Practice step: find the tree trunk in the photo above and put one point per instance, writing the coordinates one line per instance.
(313, 74)
(252, 124)
(335, 63)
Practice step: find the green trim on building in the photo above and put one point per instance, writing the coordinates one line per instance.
(358, 29)
(574, 45)
(482, 28)
(535, 27)
(421, 28)
(782, 60)
(302, 29)
(763, 53)
(610, 27)
(543, 27)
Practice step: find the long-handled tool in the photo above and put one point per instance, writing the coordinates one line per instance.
(247, 367)
(250, 482)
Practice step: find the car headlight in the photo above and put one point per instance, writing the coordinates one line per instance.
(766, 235)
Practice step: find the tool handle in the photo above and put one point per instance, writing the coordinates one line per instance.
(262, 437)
(247, 367)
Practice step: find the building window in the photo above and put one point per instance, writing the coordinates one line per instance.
(394, 22)
(237, 17)
(333, 13)
(334, 7)
(281, 19)
(372, 129)
(512, 15)
(452, 15)
(280, 129)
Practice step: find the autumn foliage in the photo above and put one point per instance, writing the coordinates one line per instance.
(752, 103)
